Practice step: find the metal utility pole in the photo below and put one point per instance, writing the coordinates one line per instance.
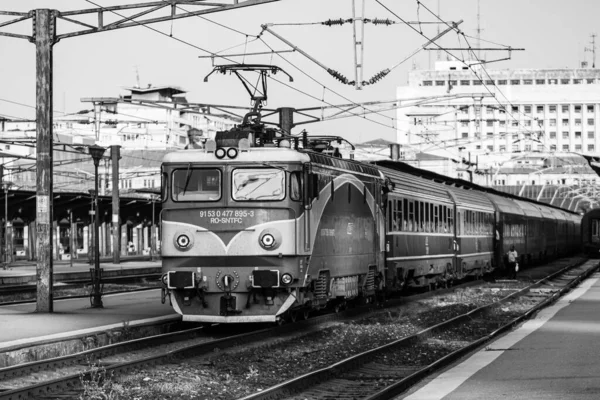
(116, 237)
(44, 36)
(359, 44)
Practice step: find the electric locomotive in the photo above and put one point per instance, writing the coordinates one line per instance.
(258, 228)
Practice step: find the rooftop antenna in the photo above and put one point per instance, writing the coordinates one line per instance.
(592, 49)
(137, 76)
(478, 30)
(439, 51)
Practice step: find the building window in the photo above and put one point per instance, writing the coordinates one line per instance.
(577, 147)
(477, 82)
(490, 123)
(577, 135)
(502, 123)
(452, 83)
(565, 147)
(565, 109)
(465, 135)
(464, 124)
(552, 81)
(514, 123)
(577, 121)
(527, 109)
(540, 109)
(578, 109)
(515, 135)
(576, 81)
(552, 135)
(515, 82)
(527, 123)
(565, 122)
(590, 134)
(590, 81)
(464, 110)
(540, 147)
(552, 147)
(465, 83)
(590, 121)
(565, 81)
(552, 108)
(565, 134)
(590, 147)
(490, 134)
(540, 81)
(502, 82)
(488, 82)
(527, 82)
(552, 122)
(515, 147)
(590, 108)
(490, 148)
(440, 83)
(427, 83)
(515, 109)
(502, 148)
(489, 110)
(478, 147)
(527, 147)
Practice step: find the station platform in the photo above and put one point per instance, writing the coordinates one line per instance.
(24, 272)
(75, 326)
(555, 355)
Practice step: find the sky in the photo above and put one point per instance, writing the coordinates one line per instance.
(554, 34)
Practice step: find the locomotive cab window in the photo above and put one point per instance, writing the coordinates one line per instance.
(262, 184)
(296, 186)
(194, 184)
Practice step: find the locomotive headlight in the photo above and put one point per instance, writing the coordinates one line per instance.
(220, 153)
(267, 241)
(232, 152)
(270, 239)
(183, 241)
(286, 279)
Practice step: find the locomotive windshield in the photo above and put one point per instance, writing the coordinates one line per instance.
(258, 184)
(193, 184)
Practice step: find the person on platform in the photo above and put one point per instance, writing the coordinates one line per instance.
(512, 262)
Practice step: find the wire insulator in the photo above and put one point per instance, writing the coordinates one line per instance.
(340, 77)
(379, 21)
(377, 77)
(340, 21)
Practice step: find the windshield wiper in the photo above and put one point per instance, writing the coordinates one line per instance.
(187, 178)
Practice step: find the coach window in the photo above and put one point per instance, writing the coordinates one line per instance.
(194, 184)
(295, 186)
(411, 215)
(262, 184)
(399, 215)
(436, 218)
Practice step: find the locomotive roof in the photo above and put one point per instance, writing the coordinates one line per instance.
(255, 154)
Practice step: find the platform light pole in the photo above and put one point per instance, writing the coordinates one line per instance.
(6, 186)
(96, 152)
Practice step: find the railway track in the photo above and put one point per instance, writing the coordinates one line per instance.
(381, 374)
(82, 285)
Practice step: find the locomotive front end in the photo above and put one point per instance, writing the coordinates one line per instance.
(230, 231)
